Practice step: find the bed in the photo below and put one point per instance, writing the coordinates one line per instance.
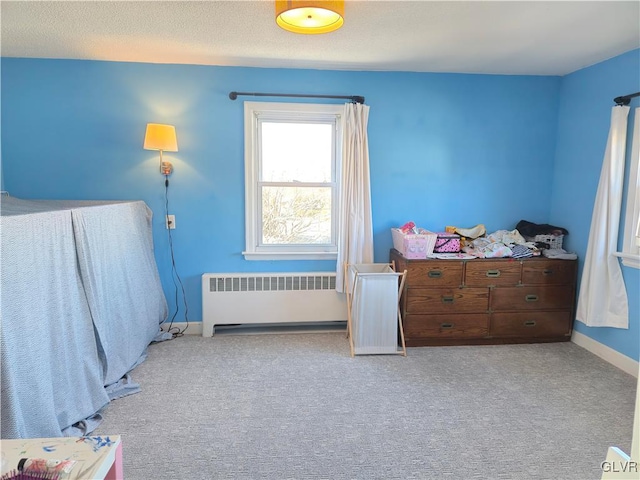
(80, 300)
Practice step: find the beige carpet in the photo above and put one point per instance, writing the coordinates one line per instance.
(297, 406)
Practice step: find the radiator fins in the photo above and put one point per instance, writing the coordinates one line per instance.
(272, 283)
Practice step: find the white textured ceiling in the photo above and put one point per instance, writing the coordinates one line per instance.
(505, 37)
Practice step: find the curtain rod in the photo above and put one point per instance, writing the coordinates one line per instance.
(625, 99)
(353, 98)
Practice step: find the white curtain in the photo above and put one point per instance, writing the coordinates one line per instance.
(633, 202)
(603, 299)
(355, 229)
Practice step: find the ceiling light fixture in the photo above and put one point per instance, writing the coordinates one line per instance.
(309, 16)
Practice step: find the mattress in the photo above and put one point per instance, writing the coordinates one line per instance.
(80, 299)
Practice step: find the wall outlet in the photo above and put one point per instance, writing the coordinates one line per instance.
(171, 221)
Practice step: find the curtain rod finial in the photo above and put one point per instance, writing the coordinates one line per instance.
(233, 95)
(625, 99)
(620, 101)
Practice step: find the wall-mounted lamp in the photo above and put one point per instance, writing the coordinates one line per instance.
(310, 16)
(161, 137)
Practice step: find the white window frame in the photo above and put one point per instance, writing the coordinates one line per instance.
(630, 254)
(254, 112)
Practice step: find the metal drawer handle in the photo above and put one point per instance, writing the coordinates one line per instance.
(531, 298)
(530, 323)
(434, 274)
(446, 325)
(447, 299)
(547, 272)
(493, 273)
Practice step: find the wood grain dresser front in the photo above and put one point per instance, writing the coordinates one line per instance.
(487, 301)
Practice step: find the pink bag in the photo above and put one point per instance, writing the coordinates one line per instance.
(447, 243)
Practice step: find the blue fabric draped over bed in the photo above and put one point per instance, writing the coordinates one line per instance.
(81, 300)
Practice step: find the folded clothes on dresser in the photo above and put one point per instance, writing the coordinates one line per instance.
(559, 253)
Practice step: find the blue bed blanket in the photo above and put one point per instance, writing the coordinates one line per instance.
(80, 302)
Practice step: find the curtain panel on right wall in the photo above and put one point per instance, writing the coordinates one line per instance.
(602, 301)
(631, 245)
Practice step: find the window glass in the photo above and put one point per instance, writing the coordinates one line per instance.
(296, 152)
(293, 156)
(298, 216)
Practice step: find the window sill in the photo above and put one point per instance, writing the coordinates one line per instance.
(629, 259)
(290, 256)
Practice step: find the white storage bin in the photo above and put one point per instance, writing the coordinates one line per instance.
(373, 309)
(414, 245)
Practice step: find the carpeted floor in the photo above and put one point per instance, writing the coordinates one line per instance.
(297, 406)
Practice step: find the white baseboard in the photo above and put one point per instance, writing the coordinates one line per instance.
(608, 354)
(195, 328)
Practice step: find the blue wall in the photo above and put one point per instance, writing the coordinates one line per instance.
(445, 149)
(583, 127)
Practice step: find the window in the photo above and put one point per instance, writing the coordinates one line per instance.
(292, 165)
(631, 244)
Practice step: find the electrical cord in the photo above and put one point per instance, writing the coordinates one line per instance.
(175, 331)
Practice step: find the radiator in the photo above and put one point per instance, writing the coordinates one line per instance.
(239, 298)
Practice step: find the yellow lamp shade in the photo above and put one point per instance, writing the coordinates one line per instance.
(309, 16)
(160, 137)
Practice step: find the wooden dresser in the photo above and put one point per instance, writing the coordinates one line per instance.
(487, 301)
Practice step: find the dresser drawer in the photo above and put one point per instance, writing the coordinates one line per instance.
(532, 298)
(471, 325)
(487, 272)
(530, 324)
(548, 272)
(446, 300)
(430, 273)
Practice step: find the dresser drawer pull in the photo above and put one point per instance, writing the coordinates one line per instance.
(547, 272)
(446, 325)
(493, 273)
(448, 299)
(530, 323)
(434, 274)
(531, 298)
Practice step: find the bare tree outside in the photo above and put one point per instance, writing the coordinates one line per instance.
(293, 215)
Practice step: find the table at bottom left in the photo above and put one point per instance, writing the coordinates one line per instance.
(95, 458)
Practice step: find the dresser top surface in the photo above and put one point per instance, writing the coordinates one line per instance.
(500, 259)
